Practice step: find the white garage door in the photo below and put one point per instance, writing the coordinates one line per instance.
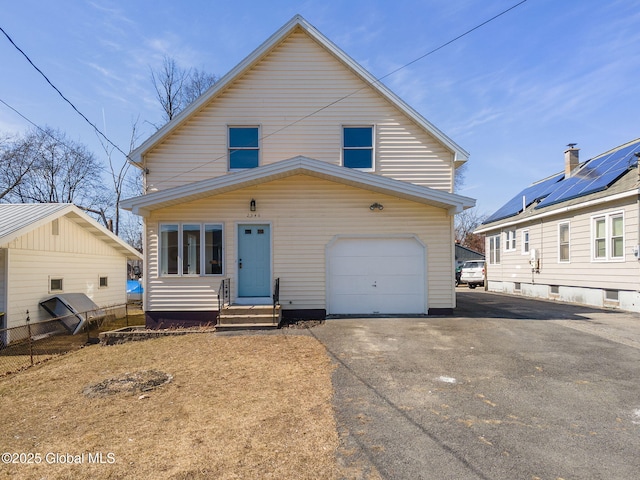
(376, 276)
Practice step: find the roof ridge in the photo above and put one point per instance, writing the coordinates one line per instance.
(261, 52)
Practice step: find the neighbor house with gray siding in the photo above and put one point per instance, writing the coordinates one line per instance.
(54, 248)
(573, 236)
(298, 165)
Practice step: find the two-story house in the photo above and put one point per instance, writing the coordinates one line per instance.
(298, 165)
(573, 236)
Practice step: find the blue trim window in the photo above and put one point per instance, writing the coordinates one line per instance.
(244, 147)
(357, 147)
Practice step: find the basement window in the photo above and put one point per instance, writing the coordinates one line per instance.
(55, 284)
(554, 289)
(612, 295)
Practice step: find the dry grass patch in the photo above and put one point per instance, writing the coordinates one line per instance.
(236, 407)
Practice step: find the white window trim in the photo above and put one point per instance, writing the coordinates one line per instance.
(526, 244)
(203, 270)
(510, 241)
(560, 260)
(234, 125)
(491, 239)
(608, 217)
(56, 277)
(373, 145)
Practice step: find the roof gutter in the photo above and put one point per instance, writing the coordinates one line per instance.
(558, 211)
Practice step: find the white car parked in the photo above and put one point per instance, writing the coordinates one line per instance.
(473, 273)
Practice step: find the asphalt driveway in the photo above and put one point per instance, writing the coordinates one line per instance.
(508, 388)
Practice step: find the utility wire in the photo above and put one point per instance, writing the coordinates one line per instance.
(453, 40)
(315, 112)
(43, 130)
(375, 82)
(61, 94)
(28, 120)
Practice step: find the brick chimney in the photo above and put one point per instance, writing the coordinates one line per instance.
(571, 159)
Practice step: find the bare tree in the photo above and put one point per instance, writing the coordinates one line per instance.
(15, 163)
(169, 83)
(59, 171)
(119, 175)
(198, 82)
(465, 223)
(459, 177)
(176, 87)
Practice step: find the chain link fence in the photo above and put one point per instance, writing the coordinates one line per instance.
(35, 342)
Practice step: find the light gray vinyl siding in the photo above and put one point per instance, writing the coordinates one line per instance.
(305, 214)
(287, 95)
(582, 270)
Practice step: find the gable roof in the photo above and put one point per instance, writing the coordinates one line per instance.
(144, 204)
(17, 219)
(609, 176)
(296, 23)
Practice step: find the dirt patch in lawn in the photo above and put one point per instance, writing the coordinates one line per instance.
(132, 383)
(236, 407)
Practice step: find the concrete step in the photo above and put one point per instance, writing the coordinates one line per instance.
(249, 309)
(244, 316)
(248, 318)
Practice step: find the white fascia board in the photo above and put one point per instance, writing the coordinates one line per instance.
(103, 233)
(74, 213)
(559, 211)
(144, 204)
(136, 156)
(460, 155)
(37, 222)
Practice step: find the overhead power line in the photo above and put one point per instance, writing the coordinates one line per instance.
(97, 130)
(38, 127)
(378, 80)
(315, 112)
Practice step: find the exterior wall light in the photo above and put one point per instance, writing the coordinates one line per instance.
(252, 205)
(375, 206)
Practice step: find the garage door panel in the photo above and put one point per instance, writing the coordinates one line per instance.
(381, 304)
(399, 284)
(406, 265)
(352, 285)
(376, 275)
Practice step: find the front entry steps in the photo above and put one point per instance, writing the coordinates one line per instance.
(249, 316)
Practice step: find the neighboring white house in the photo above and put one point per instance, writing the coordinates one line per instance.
(572, 236)
(298, 165)
(48, 248)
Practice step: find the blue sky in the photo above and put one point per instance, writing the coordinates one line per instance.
(513, 93)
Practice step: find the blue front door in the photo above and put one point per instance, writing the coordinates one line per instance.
(254, 261)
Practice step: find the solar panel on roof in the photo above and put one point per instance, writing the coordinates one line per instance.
(529, 195)
(595, 175)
